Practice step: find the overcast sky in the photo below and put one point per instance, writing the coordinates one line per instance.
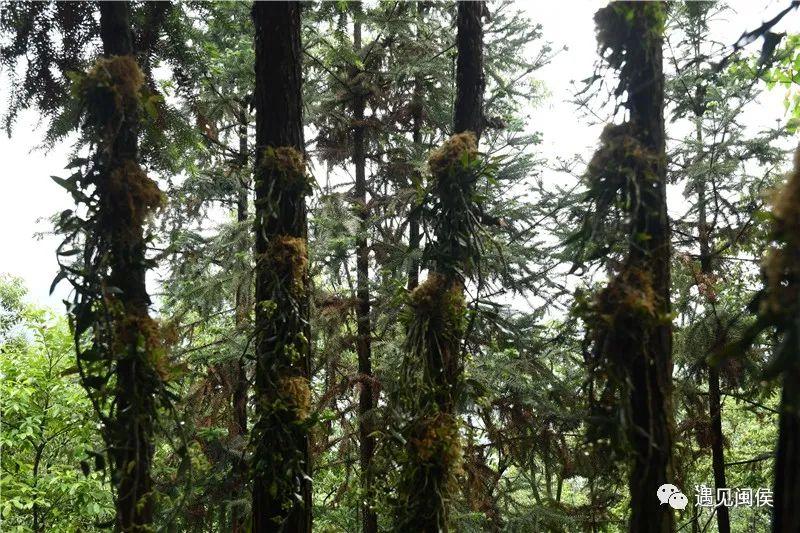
(28, 195)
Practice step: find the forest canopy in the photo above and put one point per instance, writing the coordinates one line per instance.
(319, 268)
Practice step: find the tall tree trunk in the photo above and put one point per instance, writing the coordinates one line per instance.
(638, 344)
(435, 333)
(651, 370)
(238, 372)
(470, 81)
(714, 395)
(414, 237)
(121, 213)
(717, 450)
(786, 518)
(366, 400)
(781, 308)
(706, 268)
(39, 521)
(243, 294)
(281, 458)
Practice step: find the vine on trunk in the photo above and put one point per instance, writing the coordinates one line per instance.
(122, 353)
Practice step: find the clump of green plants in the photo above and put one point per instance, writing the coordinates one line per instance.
(437, 322)
(454, 213)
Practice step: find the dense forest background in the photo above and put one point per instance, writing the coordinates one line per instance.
(320, 272)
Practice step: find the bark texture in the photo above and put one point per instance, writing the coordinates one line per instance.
(780, 307)
(131, 435)
(366, 397)
(786, 518)
(638, 345)
(435, 333)
(237, 370)
(651, 369)
(470, 81)
(281, 463)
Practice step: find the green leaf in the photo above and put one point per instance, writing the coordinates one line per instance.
(59, 277)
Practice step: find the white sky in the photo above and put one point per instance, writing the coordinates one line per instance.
(28, 195)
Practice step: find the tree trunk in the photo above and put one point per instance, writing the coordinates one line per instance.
(366, 400)
(238, 371)
(429, 483)
(131, 437)
(470, 80)
(243, 294)
(650, 405)
(786, 518)
(281, 458)
(638, 345)
(780, 308)
(714, 395)
(717, 450)
(414, 237)
(38, 519)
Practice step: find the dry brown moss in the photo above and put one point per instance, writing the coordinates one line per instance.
(286, 166)
(437, 441)
(133, 328)
(437, 296)
(120, 73)
(620, 158)
(287, 257)
(439, 303)
(630, 295)
(458, 148)
(131, 194)
(295, 391)
(620, 23)
(111, 90)
(142, 333)
(782, 265)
